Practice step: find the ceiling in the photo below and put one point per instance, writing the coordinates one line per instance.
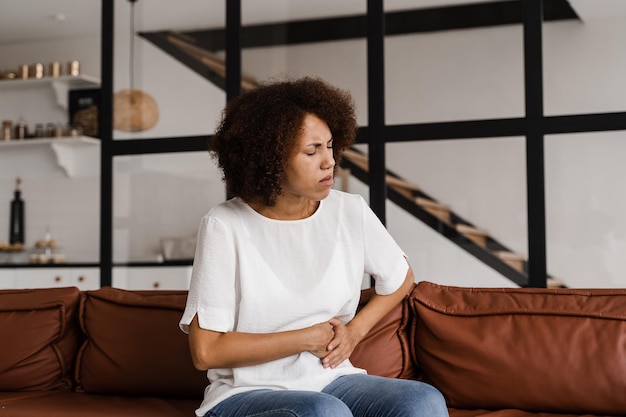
(34, 20)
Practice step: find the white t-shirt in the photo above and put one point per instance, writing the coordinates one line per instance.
(259, 275)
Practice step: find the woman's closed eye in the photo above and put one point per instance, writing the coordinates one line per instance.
(329, 145)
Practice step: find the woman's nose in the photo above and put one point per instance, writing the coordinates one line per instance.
(329, 159)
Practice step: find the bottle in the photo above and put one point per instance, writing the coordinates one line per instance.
(16, 228)
(21, 129)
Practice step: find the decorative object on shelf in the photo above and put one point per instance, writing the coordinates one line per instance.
(83, 108)
(21, 129)
(178, 248)
(24, 71)
(73, 68)
(16, 227)
(38, 71)
(134, 110)
(7, 130)
(46, 250)
(54, 69)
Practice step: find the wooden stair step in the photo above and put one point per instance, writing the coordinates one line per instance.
(514, 260)
(477, 236)
(213, 61)
(555, 283)
(441, 211)
(401, 185)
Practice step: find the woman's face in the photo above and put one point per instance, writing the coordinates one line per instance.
(309, 171)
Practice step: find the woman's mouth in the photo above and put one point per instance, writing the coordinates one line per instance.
(327, 181)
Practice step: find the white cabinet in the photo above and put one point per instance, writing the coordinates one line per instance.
(152, 278)
(83, 278)
(8, 278)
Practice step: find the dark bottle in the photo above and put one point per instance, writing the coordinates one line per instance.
(16, 228)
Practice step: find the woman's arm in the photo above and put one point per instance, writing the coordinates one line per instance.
(210, 349)
(349, 335)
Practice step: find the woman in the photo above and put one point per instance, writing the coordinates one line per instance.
(278, 268)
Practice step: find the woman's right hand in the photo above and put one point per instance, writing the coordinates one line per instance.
(321, 335)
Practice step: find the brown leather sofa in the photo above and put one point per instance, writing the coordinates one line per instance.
(492, 352)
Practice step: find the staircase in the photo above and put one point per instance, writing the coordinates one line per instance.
(441, 218)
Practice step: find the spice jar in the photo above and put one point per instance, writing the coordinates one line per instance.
(21, 130)
(73, 68)
(40, 131)
(36, 71)
(54, 69)
(7, 127)
(50, 130)
(24, 71)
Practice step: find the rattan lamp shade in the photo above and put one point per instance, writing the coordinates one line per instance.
(134, 111)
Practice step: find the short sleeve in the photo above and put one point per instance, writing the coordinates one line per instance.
(212, 290)
(384, 259)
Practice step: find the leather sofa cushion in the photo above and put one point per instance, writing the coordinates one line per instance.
(67, 403)
(384, 351)
(38, 338)
(554, 350)
(133, 345)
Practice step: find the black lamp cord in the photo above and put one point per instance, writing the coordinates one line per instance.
(131, 59)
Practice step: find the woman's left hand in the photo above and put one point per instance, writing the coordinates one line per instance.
(341, 346)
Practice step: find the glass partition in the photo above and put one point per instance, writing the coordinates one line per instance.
(586, 229)
(158, 202)
(434, 75)
(476, 191)
(585, 60)
(282, 40)
(165, 80)
(47, 53)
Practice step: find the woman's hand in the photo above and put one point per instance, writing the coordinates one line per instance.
(321, 335)
(342, 345)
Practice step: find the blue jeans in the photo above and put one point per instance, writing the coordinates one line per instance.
(351, 395)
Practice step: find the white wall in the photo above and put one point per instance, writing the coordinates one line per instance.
(456, 75)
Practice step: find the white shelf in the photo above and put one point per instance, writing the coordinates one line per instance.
(67, 150)
(60, 85)
(63, 140)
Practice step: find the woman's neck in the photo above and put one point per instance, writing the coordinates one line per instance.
(286, 210)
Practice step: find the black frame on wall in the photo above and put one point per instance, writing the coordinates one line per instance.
(533, 126)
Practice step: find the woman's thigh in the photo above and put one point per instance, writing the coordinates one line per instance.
(369, 395)
(268, 403)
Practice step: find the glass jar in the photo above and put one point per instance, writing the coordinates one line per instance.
(7, 127)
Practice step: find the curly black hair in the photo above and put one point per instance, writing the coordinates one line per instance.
(259, 131)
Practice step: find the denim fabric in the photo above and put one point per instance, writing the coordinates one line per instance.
(351, 395)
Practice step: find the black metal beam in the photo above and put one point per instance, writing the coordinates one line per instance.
(233, 49)
(376, 107)
(489, 128)
(160, 145)
(535, 176)
(464, 16)
(105, 123)
(584, 123)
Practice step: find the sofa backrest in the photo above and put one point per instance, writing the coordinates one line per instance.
(561, 351)
(113, 341)
(39, 338)
(133, 345)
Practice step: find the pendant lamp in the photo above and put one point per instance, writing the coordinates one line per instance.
(134, 110)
